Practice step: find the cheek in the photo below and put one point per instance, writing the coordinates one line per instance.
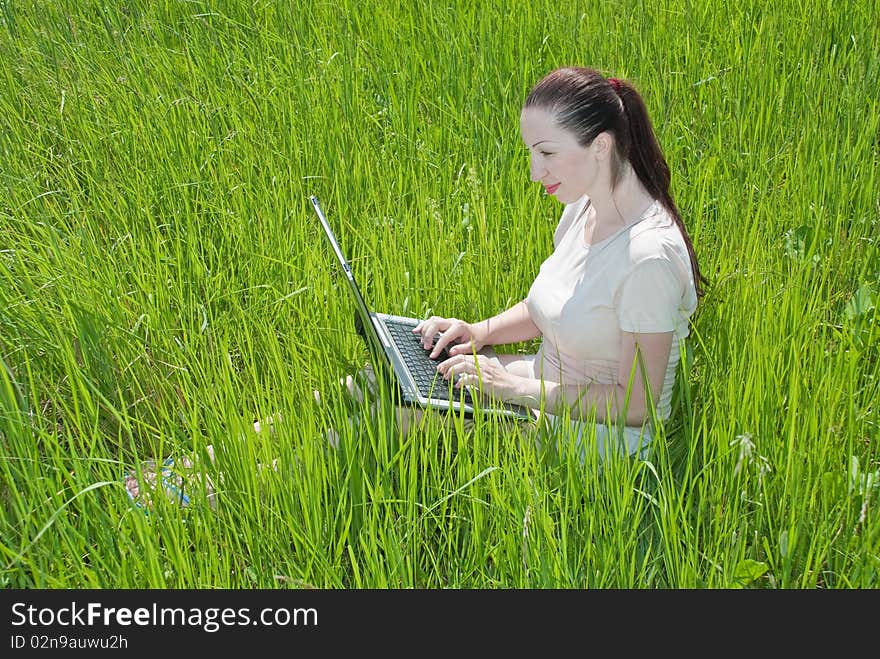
(577, 176)
(575, 166)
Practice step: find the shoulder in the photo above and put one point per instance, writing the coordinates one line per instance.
(657, 237)
(656, 252)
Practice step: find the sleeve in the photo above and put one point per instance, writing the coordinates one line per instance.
(650, 298)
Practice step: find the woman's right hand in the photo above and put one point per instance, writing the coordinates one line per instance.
(463, 336)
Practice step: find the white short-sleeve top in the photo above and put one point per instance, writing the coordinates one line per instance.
(638, 279)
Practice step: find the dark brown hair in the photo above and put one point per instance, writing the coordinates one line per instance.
(586, 103)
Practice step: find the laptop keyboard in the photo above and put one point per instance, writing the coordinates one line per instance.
(424, 369)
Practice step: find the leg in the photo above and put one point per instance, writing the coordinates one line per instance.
(178, 479)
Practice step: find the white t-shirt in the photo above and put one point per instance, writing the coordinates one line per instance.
(638, 279)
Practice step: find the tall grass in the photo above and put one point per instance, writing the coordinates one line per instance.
(163, 284)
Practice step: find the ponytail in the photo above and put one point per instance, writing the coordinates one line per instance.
(641, 149)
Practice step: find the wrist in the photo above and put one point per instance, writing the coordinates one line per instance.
(527, 392)
(480, 333)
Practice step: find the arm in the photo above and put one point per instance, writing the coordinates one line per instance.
(643, 357)
(514, 324)
(509, 326)
(649, 300)
(649, 305)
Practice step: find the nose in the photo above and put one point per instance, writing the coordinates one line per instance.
(536, 168)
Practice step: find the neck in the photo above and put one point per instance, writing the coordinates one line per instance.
(623, 205)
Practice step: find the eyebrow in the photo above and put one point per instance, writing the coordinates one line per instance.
(539, 142)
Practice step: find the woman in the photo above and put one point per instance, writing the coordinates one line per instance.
(613, 300)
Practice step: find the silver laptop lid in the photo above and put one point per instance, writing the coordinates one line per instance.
(362, 310)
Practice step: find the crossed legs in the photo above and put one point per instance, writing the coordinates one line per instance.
(178, 479)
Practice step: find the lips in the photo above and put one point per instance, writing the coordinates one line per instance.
(552, 188)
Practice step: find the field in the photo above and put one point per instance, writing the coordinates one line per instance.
(163, 283)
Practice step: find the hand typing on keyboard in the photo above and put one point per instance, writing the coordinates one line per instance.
(455, 351)
(450, 334)
(481, 374)
(422, 367)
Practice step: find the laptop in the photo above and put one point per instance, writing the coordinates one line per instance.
(393, 344)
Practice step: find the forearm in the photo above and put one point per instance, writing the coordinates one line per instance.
(609, 402)
(510, 326)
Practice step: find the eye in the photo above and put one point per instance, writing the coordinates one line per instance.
(546, 154)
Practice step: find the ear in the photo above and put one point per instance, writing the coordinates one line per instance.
(603, 144)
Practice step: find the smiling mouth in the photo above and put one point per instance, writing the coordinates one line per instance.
(552, 188)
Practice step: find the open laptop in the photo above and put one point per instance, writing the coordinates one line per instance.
(393, 344)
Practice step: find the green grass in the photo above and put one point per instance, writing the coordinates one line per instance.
(163, 283)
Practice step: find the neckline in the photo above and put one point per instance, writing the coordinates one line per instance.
(601, 243)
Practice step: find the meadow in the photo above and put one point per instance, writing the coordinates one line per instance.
(163, 283)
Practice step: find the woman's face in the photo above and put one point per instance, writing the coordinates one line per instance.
(566, 169)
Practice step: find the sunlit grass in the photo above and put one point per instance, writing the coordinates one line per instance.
(163, 283)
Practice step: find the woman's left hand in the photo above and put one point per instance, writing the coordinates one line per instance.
(480, 373)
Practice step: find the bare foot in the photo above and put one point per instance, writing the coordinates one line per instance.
(178, 480)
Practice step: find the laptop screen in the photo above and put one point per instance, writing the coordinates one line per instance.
(363, 311)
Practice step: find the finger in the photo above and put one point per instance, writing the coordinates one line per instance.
(444, 340)
(428, 332)
(433, 331)
(468, 381)
(430, 341)
(460, 348)
(466, 365)
(437, 347)
(424, 326)
(449, 367)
